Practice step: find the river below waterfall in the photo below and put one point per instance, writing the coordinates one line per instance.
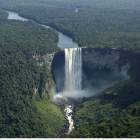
(63, 42)
(69, 111)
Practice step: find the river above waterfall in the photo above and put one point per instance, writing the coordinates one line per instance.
(63, 40)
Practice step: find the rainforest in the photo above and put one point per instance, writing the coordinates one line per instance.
(69, 69)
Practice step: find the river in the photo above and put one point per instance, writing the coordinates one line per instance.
(63, 42)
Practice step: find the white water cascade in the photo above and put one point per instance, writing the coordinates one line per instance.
(73, 71)
(72, 83)
(73, 80)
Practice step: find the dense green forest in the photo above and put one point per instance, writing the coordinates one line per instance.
(114, 113)
(23, 112)
(96, 24)
(96, 119)
(3, 14)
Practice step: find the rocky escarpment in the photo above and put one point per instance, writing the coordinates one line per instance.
(58, 70)
(45, 81)
(44, 59)
(102, 68)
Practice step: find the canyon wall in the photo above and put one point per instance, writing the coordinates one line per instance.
(101, 68)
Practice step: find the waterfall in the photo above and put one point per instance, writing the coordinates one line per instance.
(72, 83)
(73, 80)
(73, 69)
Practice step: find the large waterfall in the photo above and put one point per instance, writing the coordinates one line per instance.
(73, 80)
(72, 83)
(73, 69)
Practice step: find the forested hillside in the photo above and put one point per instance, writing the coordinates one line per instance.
(99, 119)
(113, 114)
(23, 112)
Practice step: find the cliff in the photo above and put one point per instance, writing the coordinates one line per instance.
(101, 68)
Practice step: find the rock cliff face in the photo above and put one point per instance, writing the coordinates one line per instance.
(58, 70)
(102, 68)
(45, 81)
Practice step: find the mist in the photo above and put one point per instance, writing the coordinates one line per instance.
(107, 4)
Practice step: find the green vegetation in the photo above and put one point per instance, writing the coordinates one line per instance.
(115, 113)
(3, 14)
(96, 119)
(51, 117)
(28, 36)
(97, 24)
(22, 112)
